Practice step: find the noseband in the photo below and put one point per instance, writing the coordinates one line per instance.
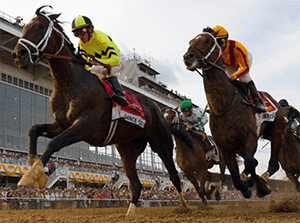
(39, 48)
(175, 119)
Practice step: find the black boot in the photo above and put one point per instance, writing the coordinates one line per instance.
(208, 145)
(258, 104)
(118, 94)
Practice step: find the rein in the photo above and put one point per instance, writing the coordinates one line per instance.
(49, 56)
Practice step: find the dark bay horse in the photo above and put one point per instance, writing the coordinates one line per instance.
(289, 154)
(233, 123)
(81, 109)
(190, 156)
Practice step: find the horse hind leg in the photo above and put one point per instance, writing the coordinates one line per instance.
(276, 137)
(129, 153)
(163, 146)
(294, 179)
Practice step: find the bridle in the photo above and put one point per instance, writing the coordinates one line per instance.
(205, 58)
(39, 48)
(176, 119)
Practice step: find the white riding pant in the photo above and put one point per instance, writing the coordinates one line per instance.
(100, 69)
(246, 78)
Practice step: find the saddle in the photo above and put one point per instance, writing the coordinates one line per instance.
(133, 112)
(211, 151)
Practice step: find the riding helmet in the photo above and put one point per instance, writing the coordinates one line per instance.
(186, 104)
(283, 103)
(81, 22)
(222, 32)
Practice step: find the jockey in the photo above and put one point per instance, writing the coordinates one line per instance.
(194, 119)
(102, 52)
(237, 61)
(293, 115)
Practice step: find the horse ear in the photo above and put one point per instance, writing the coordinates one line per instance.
(38, 11)
(54, 16)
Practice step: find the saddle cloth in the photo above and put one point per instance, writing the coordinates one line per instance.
(271, 112)
(133, 112)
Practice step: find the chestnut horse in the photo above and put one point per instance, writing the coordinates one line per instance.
(81, 109)
(289, 155)
(233, 123)
(190, 156)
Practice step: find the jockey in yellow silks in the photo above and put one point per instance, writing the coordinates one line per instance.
(102, 52)
(237, 60)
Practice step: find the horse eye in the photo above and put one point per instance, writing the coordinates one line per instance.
(207, 41)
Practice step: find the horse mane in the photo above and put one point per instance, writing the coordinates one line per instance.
(182, 135)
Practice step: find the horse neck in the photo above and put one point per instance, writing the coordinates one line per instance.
(219, 91)
(64, 72)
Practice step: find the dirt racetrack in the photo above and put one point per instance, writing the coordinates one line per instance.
(268, 212)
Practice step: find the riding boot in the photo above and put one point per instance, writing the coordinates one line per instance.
(258, 104)
(118, 93)
(207, 144)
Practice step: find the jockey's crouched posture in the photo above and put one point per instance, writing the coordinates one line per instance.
(194, 119)
(293, 115)
(102, 52)
(237, 60)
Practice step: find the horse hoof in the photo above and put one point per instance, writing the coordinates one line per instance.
(41, 182)
(131, 210)
(261, 192)
(27, 180)
(35, 175)
(247, 194)
(218, 196)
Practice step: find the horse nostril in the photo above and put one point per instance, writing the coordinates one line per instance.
(191, 55)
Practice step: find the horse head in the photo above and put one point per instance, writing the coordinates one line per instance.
(37, 35)
(172, 115)
(203, 52)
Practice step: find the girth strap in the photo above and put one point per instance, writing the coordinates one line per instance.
(111, 132)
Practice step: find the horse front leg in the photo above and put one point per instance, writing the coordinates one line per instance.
(250, 165)
(48, 130)
(36, 174)
(231, 162)
(222, 166)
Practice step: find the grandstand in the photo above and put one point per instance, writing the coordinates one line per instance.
(24, 101)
